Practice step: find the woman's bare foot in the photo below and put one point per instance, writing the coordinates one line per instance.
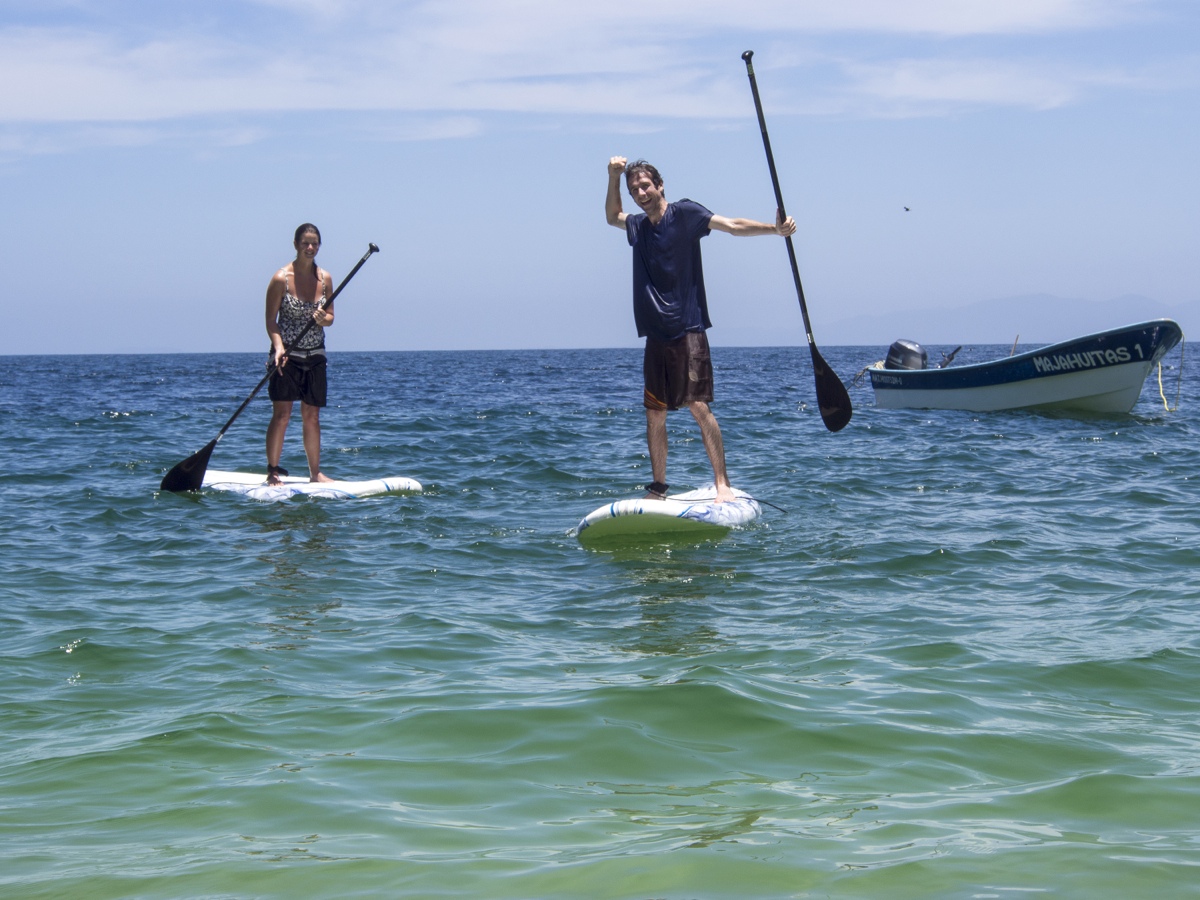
(320, 476)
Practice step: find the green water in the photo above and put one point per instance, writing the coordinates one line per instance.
(958, 658)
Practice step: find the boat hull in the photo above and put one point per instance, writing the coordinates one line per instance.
(1101, 373)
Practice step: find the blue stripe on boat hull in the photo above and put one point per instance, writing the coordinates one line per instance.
(1101, 372)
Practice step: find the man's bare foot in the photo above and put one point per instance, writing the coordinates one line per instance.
(725, 494)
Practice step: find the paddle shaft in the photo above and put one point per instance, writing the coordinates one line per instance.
(762, 125)
(832, 398)
(288, 348)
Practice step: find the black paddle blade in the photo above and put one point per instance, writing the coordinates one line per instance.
(189, 474)
(832, 397)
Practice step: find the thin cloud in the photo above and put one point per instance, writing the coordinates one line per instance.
(479, 23)
(461, 57)
(427, 129)
(930, 87)
(916, 87)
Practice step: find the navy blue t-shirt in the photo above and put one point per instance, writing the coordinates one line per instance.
(668, 277)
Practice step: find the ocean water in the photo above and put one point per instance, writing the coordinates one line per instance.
(959, 656)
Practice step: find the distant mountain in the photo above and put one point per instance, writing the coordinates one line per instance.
(1036, 318)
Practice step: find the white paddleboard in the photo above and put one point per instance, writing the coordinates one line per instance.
(692, 515)
(254, 485)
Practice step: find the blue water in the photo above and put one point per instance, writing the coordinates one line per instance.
(959, 656)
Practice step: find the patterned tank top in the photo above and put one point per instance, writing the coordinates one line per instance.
(294, 314)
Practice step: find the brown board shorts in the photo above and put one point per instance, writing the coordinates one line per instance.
(678, 372)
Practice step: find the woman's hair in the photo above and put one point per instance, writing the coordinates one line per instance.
(307, 226)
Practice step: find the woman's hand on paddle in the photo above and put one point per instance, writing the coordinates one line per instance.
(323, 317)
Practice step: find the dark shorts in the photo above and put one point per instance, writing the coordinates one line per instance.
(301, 379)
(677, 372)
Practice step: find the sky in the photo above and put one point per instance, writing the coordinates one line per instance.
(156, 157)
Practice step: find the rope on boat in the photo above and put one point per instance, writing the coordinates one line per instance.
(1178, 381)
(861, 376)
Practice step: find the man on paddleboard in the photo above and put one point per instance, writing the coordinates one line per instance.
(670, 307)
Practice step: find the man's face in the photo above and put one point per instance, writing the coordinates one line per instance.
(644, 192)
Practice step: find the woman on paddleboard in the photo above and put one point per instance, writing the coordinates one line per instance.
(298, 298)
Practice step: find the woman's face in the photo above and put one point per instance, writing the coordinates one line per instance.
(308, 245)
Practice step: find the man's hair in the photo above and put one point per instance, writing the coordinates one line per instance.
(639, 166)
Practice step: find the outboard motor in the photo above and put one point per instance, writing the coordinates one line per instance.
(906, 355)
